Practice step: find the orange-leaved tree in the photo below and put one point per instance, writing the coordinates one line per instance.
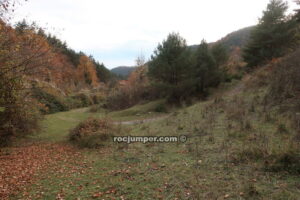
(86, 72)
(21, 55)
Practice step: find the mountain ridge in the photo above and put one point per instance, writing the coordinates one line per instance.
(123, 71)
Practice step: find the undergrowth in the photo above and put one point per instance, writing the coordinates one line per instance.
(94, 133)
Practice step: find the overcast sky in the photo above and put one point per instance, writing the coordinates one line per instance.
(115, 32)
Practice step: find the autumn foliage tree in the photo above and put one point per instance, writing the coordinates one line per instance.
(135, 89)
(22, 55)
(68, 69)
(138, 83)
(86, 72)
(27, 57)
(32, 60)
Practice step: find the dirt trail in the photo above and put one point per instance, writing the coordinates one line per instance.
(141, 121)
(239, 88)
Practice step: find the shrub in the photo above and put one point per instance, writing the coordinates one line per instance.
(96, 98)
(230, 77)
(235, 111)
(119, 100)
(251, 191)
(285, 83)
(250, 153)
(183, 93)
(18, 120)
(93, 133)
(161, 108)
(85, 100)
(127, 97)
(288, 161)
(73, 103)
(282, 128)
(51, 102)
(95, 108)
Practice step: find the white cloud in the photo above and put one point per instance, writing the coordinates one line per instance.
(114, 25)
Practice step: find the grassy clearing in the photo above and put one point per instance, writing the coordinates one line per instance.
(56, 126)
(143, 111)
(233, 144)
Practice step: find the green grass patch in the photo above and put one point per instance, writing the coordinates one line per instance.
(141, 111)
(56, 126)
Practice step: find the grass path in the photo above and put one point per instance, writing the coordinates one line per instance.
(142, 121)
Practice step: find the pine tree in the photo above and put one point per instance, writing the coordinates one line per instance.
(220, 54)
(297, 11)
(205, 69)
(169, 62)
(273, 37)
(170, 68)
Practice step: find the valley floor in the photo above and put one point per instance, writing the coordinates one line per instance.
(221, 159)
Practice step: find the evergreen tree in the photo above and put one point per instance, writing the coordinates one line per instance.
(220, 54)
(297, 11)
(205, 69)
(273, 37)
(170, 68)
(23, 26)
(170, 61)
(103, 73)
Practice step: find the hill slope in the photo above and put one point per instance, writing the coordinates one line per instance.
(123, 71)
(237, 38)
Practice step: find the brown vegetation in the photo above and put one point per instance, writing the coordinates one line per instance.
(133, 91)
(93, 133)
(20, 165)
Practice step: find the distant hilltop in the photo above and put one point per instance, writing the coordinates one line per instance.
(237, 38)
(123, 71)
